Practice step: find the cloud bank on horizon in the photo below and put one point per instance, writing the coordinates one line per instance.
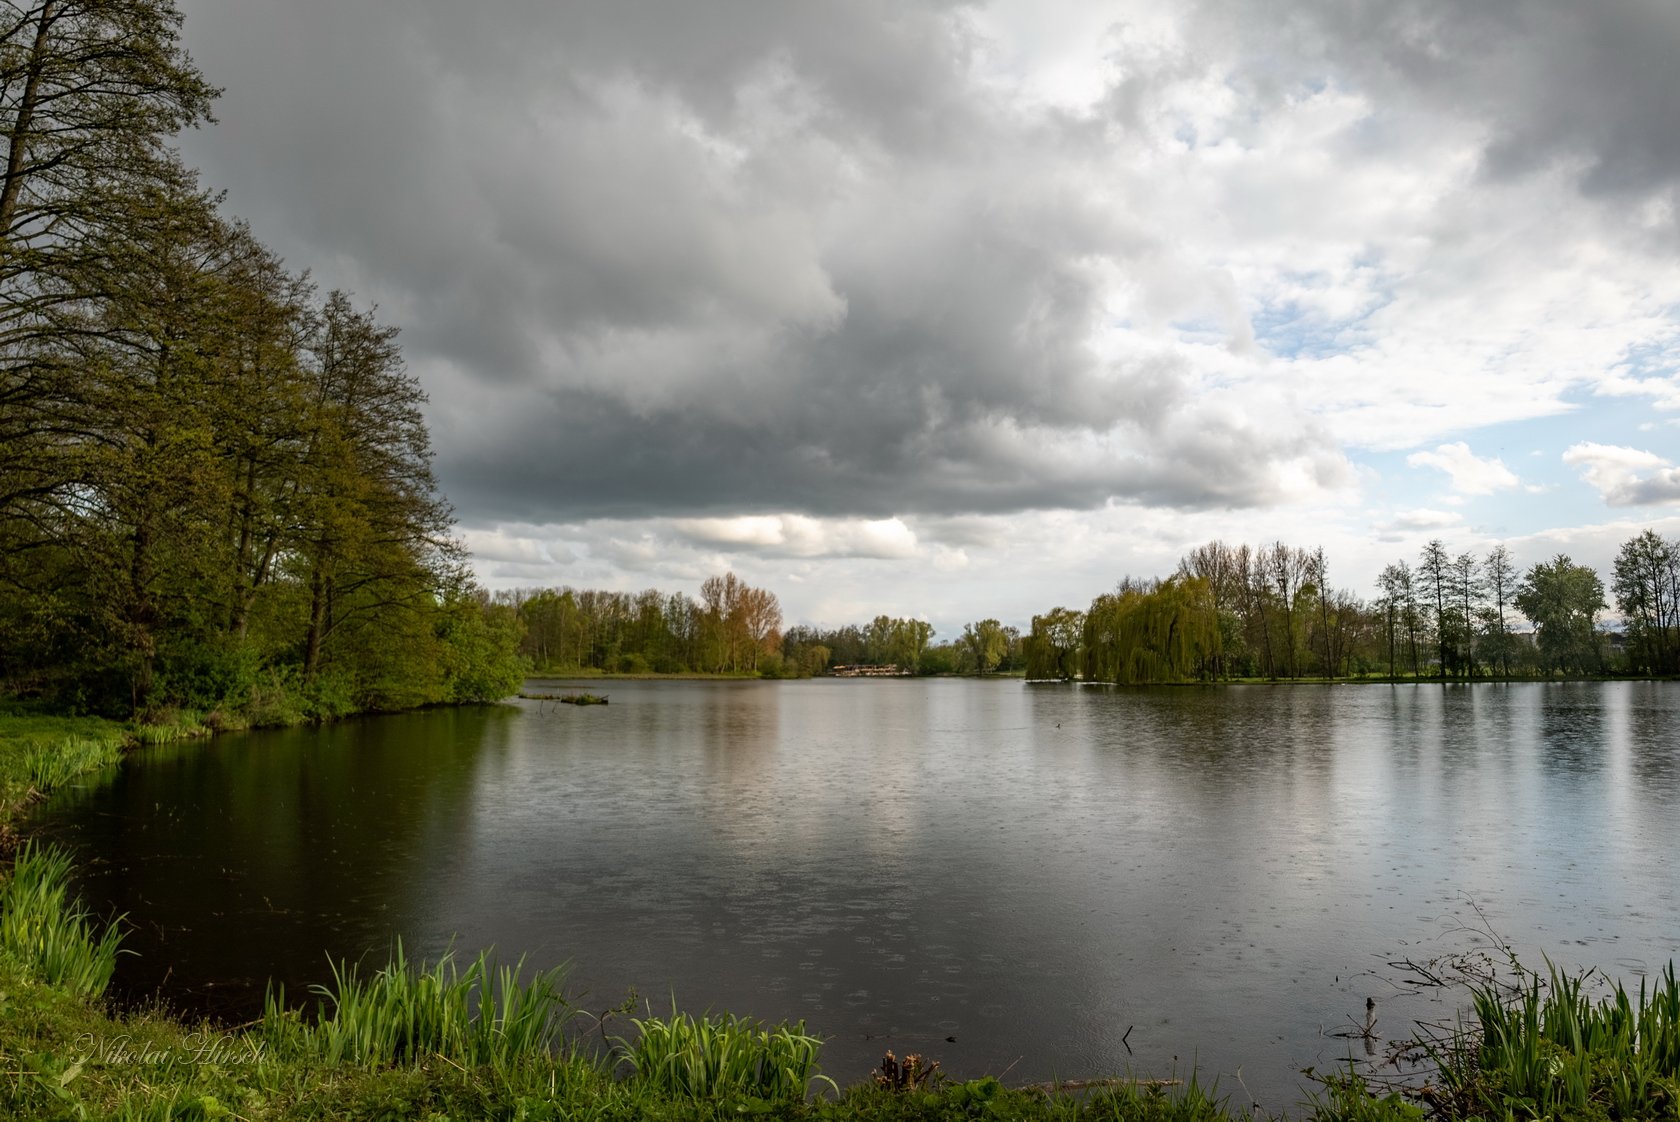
(955, 310)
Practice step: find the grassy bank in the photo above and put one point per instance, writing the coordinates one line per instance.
(462, 1039)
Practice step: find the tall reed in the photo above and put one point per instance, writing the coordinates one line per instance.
(481, 1015)
(1550, 1048)
(49, 765)
(47, 933)
(724, 1057)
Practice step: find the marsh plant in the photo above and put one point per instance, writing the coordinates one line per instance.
(483, 1014)
(1548, 1048)
(50, 765)
(723, 1057)
(46, 933)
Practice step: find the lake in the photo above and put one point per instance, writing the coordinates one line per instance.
(1033, 881)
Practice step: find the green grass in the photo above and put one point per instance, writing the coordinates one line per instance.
(724, 1057)
(1551, 1050)
(481, 1015)
(46, 934)
(38, 753)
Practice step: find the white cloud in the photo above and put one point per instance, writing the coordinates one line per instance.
(1625, 476)
(794, 535)
(1471, 474)
(1424, 519)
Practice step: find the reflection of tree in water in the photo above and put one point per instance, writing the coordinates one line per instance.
(260, 854)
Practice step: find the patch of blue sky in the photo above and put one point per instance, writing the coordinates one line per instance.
(1657, 358)
(1628, 422)
(1289, 329)
(1285, 330)
(1551, 494)
(1400, 491)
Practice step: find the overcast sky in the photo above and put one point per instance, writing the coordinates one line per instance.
(953, 311)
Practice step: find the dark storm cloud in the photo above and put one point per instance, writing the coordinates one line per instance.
(663, 258)
(1591, 84)
(671, 258)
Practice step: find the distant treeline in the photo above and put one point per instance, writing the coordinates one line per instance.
(734, 628)
(216, 489)
(1271, 612)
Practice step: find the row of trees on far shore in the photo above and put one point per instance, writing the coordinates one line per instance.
(1226, 612)
(216, 490)
(733, 628)
(1271, 612)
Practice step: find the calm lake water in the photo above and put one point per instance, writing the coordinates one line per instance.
(1006, 877)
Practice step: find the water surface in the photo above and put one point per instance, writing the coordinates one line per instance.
(1007, 877)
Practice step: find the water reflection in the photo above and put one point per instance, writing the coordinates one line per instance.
(1032, 871)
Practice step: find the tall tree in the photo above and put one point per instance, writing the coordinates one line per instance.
(1286, 570)
(1318, 571)
(374, 532)
(1563, 600)
(1224, 570)
(1053, 644)
(1435, 572)
(1467, 593)
(1647, 595)
(90, 91)
(1501, 576)
(985, 644)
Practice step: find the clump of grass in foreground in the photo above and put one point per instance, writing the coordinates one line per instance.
(724, 1057)
(988, 1098)
(46, 934)
(1348, 1098)
(1548, 1050)
(404, 1013)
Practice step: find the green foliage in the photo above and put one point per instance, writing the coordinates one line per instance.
(1563, 599)
(729, 630)
(1348, 1098)
(1166, 633)
(723, 1057)
(405, 1013)
(1053, 647)
(983, 646)
(1551, 1051)
(38, 753)
(46, 934)
(211, 475)
(51, 763)
(1647, 589)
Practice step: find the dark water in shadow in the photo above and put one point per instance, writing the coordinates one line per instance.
(1032, 870)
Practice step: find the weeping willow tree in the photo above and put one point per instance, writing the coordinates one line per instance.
(1165, 632)
(1052, 650)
